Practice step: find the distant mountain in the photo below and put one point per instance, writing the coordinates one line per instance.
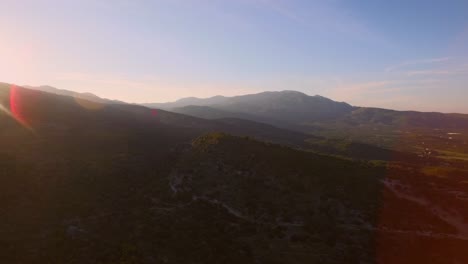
(286, 109)
(287, 106)
(85, 96)
(324, 117)
(193, 101)
(297, 108)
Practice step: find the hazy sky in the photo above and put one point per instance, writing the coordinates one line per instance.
(400, 54)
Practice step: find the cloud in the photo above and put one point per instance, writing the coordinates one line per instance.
(324, 16)
(281, 10)
(430, 72)
(453, 70)
(416, 62)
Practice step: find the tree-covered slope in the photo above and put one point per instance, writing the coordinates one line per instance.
(127, 184)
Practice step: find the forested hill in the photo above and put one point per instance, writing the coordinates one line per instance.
(83, 182)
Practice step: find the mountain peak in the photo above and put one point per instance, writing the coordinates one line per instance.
(293, 92)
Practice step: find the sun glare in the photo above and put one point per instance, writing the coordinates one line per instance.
(17, 107)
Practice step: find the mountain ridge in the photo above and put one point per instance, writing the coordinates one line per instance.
(323, 117)
(219, 98)
(128, 184)
(81, 95)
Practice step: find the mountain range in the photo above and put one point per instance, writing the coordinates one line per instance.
(123, 183)
(324, 117)
(276, 107)
(84, 96)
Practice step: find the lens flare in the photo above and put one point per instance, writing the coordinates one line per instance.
(17, 107)
(420, 217)
(16, 104)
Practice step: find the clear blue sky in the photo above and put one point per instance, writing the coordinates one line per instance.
(394, 54)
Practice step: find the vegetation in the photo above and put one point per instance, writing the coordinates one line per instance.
(119, 184)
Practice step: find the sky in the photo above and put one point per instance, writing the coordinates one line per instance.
(399, 54)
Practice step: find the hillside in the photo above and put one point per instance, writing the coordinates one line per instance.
(208, 112)
(101, 185)
(331, 209)
(127, 184)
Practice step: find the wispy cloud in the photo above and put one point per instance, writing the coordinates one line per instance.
(430, 72)
(325, 16)
(416, 62)
(452, 70)
(281, 9)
